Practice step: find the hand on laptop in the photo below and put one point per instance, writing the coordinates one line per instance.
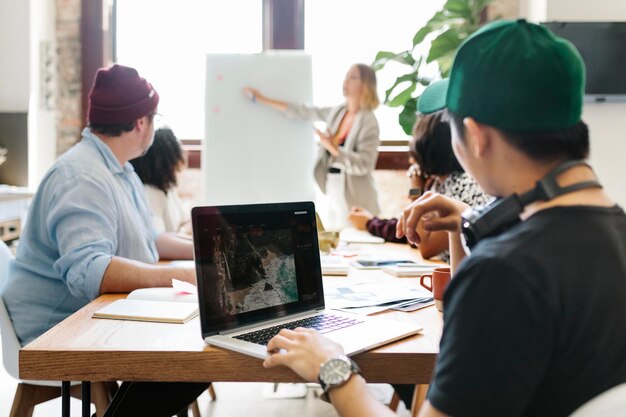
(301, 350)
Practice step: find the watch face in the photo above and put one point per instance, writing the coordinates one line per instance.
(335, 371)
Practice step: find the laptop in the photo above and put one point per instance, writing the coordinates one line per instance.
(258, 271)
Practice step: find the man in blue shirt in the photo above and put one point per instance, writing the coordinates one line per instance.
(89, 229)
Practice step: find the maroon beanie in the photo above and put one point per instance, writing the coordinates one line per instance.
(119, 96)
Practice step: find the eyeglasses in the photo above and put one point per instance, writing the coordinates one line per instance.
(156, 117)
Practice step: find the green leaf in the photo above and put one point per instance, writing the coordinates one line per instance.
(477, 7)
(443, 44)
(448, 28)
(383, 57)
(445, 64)
(420, 35)
(405, 57)
(411, 77)
(407, 116)
(402, 97)
(435, 23)
(458, 7)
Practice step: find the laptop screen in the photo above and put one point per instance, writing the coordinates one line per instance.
(255, 262)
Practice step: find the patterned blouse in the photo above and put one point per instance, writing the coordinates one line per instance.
(462, 187)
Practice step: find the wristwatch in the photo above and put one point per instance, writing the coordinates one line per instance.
(335, 372)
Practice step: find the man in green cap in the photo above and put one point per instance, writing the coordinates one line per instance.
(534, 316)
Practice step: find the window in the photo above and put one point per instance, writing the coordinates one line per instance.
(167, 40)
(341, 33)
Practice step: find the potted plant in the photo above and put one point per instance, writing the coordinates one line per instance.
(445, 31)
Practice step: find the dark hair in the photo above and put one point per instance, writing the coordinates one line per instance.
(431, 146)
(116, 129)
(111, 130)
(159, 165)
(545, 145)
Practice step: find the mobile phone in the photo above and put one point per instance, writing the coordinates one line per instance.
(375, 264)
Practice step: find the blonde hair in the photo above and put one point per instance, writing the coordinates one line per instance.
(368, 78)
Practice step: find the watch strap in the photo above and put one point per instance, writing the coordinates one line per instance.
(354, 369)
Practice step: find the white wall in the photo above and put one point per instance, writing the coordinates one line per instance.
(573, 10)
(607, 121)
(534, 10)
(586, 10)
(42, 121)
(23, 26)
(607, 124)
(14, 57)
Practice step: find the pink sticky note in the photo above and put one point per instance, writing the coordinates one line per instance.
(219, 77)
(216, 109)
(184, 286)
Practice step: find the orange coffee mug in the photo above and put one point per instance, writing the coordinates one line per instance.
(437, 283)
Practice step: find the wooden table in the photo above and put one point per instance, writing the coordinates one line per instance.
(85, 349)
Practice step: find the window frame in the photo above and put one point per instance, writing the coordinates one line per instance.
(283, 28)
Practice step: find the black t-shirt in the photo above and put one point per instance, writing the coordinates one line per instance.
(535, 319)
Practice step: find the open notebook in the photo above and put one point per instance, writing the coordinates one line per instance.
(166, 305)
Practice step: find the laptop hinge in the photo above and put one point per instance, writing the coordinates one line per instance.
(270, 323)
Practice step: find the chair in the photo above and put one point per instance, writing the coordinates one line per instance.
(611, 403)
(31, 393)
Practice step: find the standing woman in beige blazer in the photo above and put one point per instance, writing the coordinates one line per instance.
(348, 149)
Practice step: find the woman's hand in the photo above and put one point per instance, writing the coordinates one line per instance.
(436, 211)
(253, 94)
(301, 350)
(327, 142)
(359, 217)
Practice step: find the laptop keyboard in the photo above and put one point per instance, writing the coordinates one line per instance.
(323, 323)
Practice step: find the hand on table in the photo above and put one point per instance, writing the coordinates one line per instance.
(437, 212)
(359, 217)
(301, 350)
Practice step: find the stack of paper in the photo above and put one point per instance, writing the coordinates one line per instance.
(365, 296)
(410, 270)
(352, 235)
(334, 265)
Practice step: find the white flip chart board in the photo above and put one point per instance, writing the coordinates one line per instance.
(253, 153)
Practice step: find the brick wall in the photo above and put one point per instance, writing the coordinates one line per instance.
(69, 73)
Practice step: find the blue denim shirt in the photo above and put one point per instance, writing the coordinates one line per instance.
(87, 209)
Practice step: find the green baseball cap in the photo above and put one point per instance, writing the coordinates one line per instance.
(512, 75)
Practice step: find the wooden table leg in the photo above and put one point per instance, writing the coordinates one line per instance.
(419, 396)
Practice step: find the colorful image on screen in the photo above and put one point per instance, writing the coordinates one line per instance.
(255, 269)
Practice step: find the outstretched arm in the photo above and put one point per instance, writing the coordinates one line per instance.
(256, 96)
(126, 275)
(172, 245)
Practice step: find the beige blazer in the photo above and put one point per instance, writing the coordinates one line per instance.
(357, 157)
